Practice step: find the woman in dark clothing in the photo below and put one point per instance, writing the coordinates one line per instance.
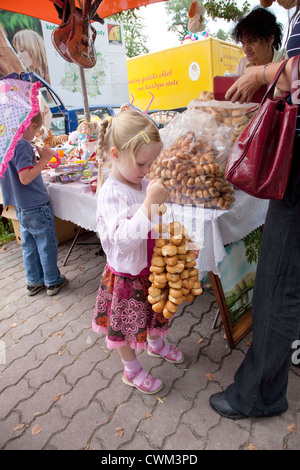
(260, 383)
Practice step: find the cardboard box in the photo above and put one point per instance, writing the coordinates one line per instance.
(65, 230)
(16, 226)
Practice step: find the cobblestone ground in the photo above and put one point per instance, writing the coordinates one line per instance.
(61, 388)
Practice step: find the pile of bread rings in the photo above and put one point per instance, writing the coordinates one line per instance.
(174, 277)
(193, 173)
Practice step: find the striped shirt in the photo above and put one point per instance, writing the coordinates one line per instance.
(293, 49)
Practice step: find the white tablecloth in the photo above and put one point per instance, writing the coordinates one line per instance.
(212, 228)
(74, 202)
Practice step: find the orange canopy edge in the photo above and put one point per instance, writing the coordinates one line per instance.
(45, 10)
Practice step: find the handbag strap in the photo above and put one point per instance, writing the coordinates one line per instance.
(270, 91)
(295, 80)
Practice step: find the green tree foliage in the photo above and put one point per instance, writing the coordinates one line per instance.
(226, 9)
(221, 34)
(135, 39)
(178, 11)
(6, 230)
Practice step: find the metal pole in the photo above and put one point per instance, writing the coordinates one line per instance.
(84, 94)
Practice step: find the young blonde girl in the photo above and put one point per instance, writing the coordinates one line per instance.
(31, 51)
(125, 216)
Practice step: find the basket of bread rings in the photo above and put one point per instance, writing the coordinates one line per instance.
(197, 144)
(174, 276)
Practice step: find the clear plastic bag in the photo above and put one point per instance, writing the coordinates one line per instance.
(192, 164)
(233, 115)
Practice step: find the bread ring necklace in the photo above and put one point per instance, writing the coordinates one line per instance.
(174, 278)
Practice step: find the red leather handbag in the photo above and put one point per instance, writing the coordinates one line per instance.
(261, 157)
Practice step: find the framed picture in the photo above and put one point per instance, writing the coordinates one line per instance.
(234, 287)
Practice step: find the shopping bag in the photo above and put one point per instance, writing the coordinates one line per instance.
(261, 157)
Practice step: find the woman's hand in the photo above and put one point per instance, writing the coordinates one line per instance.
(246, 86)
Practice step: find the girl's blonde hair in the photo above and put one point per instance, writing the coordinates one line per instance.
(31, 42)
(128, 131)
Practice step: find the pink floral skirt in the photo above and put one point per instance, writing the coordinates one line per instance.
(123, 312)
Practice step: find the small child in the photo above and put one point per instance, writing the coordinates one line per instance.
(125, 208)
(23, 187)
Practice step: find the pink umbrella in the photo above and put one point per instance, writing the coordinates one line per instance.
(18, 104)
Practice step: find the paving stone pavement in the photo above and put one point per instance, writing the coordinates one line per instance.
(61, 388)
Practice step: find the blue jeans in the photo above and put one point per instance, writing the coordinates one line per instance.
(39, 245)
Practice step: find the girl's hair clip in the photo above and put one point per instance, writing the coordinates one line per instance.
(145, 137)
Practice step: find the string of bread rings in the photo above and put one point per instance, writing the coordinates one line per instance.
(174, 277)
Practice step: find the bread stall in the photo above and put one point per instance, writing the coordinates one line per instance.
(197, 144)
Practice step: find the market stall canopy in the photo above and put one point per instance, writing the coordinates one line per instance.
(45, 9)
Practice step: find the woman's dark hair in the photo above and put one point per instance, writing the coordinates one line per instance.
(260, 23)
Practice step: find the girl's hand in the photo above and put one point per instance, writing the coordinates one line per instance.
(156, 194)
(193, 246)
(246, 86)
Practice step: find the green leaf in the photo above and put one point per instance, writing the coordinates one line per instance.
(226, 9)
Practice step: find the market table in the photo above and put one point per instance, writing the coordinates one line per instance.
(212, 228)
(74, 202)
(215, 228)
